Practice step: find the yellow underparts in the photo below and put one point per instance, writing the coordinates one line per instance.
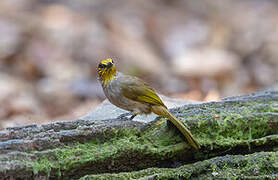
(108, 76)
(108, 79)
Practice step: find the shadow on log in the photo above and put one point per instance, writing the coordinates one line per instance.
(233, 134)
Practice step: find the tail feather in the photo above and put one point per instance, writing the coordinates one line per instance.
(184, 131)
(162, 111)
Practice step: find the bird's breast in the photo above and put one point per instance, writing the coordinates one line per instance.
(113, 92)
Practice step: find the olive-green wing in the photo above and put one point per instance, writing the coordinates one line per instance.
(137, 90)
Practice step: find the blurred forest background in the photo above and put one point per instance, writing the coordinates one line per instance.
(195, 50)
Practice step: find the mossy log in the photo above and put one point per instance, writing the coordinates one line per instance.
(238, 138)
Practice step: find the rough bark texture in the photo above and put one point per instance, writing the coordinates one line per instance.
(238, 136)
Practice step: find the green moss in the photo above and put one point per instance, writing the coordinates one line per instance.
(257, 165)
(228, 123)
(110, 154)
(214, 125)
(43, 165)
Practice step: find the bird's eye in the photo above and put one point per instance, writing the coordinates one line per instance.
(101, 66)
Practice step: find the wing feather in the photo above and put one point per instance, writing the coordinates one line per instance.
(137, 90)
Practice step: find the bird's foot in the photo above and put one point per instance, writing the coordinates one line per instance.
(124, 116)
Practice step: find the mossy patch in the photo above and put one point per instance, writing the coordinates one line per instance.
(112, 154)
(226, 123)
(219, 127)
(257, 165)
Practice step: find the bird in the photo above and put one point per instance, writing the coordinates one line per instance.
(135, 95)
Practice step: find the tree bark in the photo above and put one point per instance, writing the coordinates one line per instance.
(233, 133)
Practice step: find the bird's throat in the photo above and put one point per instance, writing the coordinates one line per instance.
(108, 76)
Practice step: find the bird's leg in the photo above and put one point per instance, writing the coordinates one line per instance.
(133, 116)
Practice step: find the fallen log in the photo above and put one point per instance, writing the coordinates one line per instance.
(88, 148)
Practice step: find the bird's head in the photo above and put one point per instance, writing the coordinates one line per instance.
(106, 70)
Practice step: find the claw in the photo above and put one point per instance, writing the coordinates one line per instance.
(124, 115)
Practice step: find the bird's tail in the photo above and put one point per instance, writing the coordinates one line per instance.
(164, 112)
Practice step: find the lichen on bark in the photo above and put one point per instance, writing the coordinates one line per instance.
(231, 132)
